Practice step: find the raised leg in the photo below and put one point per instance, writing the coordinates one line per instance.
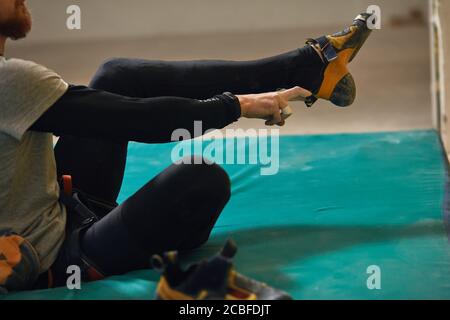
(202, 79)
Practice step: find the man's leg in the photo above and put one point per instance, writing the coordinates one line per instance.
(202, 79)
(97, 166)
(174, 211)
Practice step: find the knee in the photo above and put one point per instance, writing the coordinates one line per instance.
(109, 74)
(210, 177)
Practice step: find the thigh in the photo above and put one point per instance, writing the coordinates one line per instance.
(175, 211)
(96, 166)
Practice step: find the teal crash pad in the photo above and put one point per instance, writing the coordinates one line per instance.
(338, 205)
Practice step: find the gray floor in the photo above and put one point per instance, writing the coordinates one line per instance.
(391, 72)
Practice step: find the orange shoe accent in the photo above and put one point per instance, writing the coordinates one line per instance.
(237, 293)
(166, 293)
(338, 85)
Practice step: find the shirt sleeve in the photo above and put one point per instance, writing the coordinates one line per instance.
(87, 112)
(27, 90)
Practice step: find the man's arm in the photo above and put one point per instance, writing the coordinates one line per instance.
(87, 112)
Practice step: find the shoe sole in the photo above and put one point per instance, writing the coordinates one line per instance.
(344, 93)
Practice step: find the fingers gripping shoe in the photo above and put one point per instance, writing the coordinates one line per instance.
(213, 279)
(337, 50)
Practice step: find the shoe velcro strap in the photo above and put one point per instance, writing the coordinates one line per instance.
(326, 48)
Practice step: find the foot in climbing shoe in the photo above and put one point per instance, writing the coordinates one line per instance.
(352, 37)
(336, 51)
(213, 279)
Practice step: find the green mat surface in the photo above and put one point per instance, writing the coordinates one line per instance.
(339, 204)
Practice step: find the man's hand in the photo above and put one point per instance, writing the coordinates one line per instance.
(267, 106)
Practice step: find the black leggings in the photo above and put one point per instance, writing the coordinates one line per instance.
(178, 208)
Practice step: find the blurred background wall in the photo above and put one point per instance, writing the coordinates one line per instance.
(392, 71)
(138, 18)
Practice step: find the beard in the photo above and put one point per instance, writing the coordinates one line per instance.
(18, 26)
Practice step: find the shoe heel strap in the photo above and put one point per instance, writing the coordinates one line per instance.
(325, 47)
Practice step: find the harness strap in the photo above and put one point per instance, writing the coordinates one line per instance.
(80, 219)
(67, 185)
